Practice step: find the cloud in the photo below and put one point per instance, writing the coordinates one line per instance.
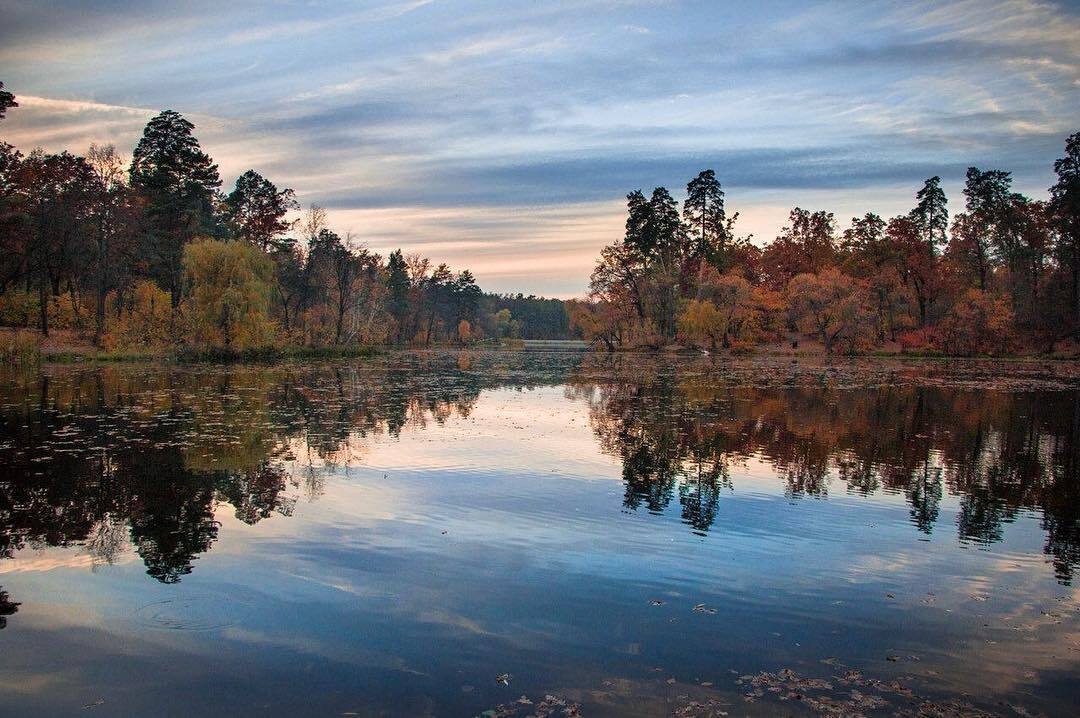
(489, 117)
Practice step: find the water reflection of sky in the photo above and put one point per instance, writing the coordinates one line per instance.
(415, 568)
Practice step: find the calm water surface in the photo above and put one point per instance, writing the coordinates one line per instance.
(540, 534)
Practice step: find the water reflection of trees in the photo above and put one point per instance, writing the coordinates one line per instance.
(1001, 454)
(118, 458)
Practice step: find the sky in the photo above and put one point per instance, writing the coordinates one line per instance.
(503, 136)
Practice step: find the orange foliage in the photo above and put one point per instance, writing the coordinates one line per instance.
(979, 323)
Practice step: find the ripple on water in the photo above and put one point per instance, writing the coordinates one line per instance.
(192, 613)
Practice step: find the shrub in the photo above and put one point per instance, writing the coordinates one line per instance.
(145, 318)
(20, 348)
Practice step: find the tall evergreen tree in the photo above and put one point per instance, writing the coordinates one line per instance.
(988, 197)
(703, 211)
(178, 182)
(1065, 206)
(664, 228)
(397, 282)
(931, 215)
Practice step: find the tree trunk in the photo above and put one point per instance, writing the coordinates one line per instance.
(43, 305)
(1076, 288)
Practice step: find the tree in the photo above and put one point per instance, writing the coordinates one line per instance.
(603, 321)
(14, 219)
(347, 273)
(228, 286)
(703, 212)
(115, 222)
(806, 245)
(985, 226)
(397, 282)
(703, 323)
(178, 183)
(6, 100)
(1065, 209)
(734, 300)
(978, 323)
(915, 263)
(292, 285)
(61, 189)
(464, 331)
(257, 209)
(503, 319)
(829, 304)
(870, 256)
(930, 215)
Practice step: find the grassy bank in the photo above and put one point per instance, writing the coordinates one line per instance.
(28, 348)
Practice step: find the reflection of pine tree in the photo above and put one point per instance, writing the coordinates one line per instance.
(699, 493)
(924, 495)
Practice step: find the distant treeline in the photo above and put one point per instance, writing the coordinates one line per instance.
(531, 317)
(152, 253)
(1003, 277)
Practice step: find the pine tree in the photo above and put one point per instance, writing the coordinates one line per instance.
(178, 182)
(930, 214)
(703, 211)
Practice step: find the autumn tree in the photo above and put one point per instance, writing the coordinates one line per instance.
(177, 182)
(829, 304)
(61, 189)
(703, 323)
(869, 254)
(978, 323)
(116, 221)
(805, 246)
(228, 287)
(915, 263)
(734, 299)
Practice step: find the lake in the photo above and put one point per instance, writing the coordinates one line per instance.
(541, 533)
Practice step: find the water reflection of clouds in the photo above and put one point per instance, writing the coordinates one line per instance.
(366, 537)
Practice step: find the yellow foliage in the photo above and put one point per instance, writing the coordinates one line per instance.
(19, 348)
(145, 318)
(21, 309)
(227, 302)
(702, 323)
